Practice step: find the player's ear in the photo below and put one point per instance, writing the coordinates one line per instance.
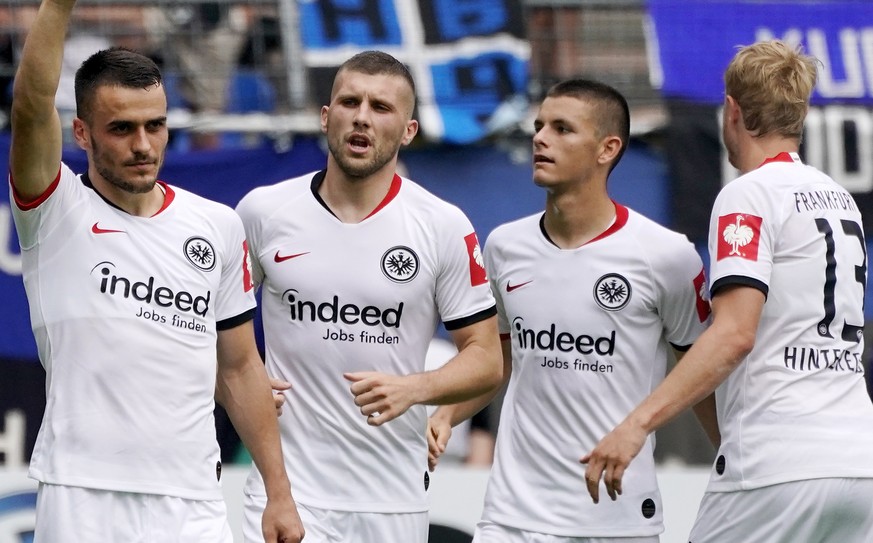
(324, 110)
(411, 131)
(610, 147)
(81, 134)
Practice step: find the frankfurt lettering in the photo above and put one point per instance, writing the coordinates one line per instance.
(815, 200)
(363, 337)
(809, 359)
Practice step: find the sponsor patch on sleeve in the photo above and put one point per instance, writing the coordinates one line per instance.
(477, 262)
(738, 236)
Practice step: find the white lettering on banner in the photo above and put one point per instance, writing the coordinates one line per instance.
(10, 263)
(826, 147)
(12, 440)
(856, 54)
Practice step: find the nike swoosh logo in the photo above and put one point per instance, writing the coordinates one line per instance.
(279, 258)
(97, 230)
(510, 288)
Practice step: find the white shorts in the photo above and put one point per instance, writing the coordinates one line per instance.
(813, 511)
(328, 526)
(489, 532)
(69, 513)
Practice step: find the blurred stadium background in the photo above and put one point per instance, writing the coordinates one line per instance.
(246, 79)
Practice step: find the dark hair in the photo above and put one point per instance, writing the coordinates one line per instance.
(378, 63)
(116, 66)
(613, 114)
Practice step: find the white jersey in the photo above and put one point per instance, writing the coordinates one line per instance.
(797, 407)
(124, 310)
(590, 330)
(341, 298)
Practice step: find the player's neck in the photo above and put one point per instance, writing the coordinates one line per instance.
(758, 150)
(144, 204)
(354, 199)
(572, 219)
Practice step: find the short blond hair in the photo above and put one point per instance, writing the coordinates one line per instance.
(772, 82)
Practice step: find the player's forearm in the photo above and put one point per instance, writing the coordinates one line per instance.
(457, 413)
(706, 365)
(474, 371)
(245, 395)
(39, 68)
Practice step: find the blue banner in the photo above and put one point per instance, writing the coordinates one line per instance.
(691, 43)
(467, 56)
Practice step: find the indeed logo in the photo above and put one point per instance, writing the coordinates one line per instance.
(147, 292)
(333, 311)
(550, 339)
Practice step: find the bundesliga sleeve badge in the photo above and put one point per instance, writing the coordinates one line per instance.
(739, 235)
(477, 262)
(702, 300)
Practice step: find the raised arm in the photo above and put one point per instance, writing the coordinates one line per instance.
(243, 389)
(475, 370)
(35, 152)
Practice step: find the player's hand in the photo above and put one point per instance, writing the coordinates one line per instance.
(382, 397)
(279, 387)
(439, 431)
(281, 523)
(611, 457)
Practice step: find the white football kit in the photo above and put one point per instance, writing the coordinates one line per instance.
(125, 312)
(797, 407)
(590, 330)
(341, 298)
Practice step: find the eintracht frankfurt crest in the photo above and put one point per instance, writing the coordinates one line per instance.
(612, 292)
(400, 264)
(200, 253)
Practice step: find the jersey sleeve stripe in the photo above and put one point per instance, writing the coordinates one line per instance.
(233, 322)
(471, 319)
(739, 280)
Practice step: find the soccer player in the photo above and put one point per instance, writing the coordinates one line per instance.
(357, 265)
(783, 354)
(141, 304)
(592, 297)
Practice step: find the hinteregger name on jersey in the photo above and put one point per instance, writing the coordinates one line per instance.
(190, 305)
(812, 359)
(551, 339)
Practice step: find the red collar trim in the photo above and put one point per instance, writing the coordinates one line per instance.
(393, 190)
(169, 196)
(784, 157)
(621, 215)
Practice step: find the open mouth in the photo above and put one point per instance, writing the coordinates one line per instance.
(542, 159)
(359, 142)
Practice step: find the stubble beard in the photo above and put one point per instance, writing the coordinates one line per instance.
(357, 169)
(124, 184)
(116, 180)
